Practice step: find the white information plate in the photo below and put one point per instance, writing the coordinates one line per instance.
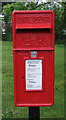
(34, 74)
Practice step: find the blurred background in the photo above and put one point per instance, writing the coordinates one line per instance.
(8, 108)
(58, 7)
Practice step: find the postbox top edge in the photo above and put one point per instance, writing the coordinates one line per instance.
(32, 11)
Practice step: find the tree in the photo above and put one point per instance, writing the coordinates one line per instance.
(58, 7)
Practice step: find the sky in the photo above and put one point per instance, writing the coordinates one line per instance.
(49, 0)
(32, 0)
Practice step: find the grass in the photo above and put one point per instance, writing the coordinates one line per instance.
(8, 107)
(57, 110)
(0, 80)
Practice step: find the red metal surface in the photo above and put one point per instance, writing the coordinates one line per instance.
(33, 30)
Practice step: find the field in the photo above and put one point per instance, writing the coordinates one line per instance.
(8, 107)
(0, 80)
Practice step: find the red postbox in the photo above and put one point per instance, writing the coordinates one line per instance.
(33, 55)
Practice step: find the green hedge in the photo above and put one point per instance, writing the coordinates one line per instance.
(58, 7)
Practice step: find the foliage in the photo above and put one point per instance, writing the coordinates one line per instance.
(9, 8)
(58, 7)
(8, 34)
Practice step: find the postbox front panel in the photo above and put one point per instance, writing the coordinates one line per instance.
(33, 38)
(33, 55)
